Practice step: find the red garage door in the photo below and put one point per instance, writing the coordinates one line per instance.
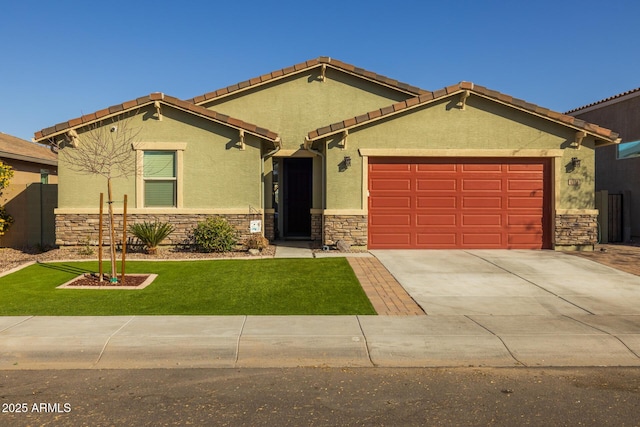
(428, 203)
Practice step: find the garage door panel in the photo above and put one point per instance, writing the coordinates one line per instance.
(486, 240)
(440, 240)
(436, 167)
(525, 202)
(390, 184)
(390, 167)
(428, 202)
(390, 202)
(524, 240)
(391, 220)
(482, 202)
(483, 167)
(519, 167)
(529, 220)
(481, 184)
(459, 203)
(390, 240)
(426, 220)
(485, 220)
(436, 184)
(525, 184)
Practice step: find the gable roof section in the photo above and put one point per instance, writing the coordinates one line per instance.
(179, 104)
(607, 101)
(12, 147)
(466, 88)
(302, 67)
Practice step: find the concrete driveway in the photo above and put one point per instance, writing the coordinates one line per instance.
(540, 308)
(511, 282)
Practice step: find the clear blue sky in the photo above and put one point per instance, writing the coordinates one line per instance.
(61, 59)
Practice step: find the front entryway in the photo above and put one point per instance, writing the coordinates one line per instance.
(296, 189)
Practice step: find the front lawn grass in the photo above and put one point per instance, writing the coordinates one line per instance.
(221, 287)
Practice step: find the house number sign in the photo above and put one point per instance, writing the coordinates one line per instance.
(255, 226)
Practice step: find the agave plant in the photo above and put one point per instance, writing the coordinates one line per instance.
(151, 234)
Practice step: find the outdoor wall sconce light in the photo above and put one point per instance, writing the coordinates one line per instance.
(575, 162)
(347, 161)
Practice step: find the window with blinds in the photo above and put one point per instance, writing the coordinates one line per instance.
(159, 178)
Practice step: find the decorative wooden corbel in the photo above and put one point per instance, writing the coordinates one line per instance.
(156, 104)
(242, 144)
(463, 99)
(323, 73)
(343, 141)
(72, 138)
(580, 135)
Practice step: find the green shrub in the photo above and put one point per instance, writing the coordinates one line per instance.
(214, 234)
(151, 234)
(85, 248)
(256, 241)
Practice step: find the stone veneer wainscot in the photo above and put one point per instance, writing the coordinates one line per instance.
(74, 229)
(578, 230)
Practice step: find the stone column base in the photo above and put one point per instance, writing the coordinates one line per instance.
(352, 229)
(576, 231)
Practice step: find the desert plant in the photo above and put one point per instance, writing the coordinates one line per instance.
(214, 234)
(151, 234)
(256, 241)
(85, 248)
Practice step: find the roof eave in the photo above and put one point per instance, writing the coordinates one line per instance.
(7, 155)
(336, 128)
(598, 138)
(159, 97)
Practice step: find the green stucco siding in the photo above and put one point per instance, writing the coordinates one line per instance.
(216, 173)
(483, 125)
(296, 105)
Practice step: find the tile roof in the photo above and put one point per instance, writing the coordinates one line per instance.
(304, 66)
(15, 148)
(602, 101)
(150, 99)
(429, 97)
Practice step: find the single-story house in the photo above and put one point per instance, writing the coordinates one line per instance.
(617, 166)
(31, 196)
(327, 151)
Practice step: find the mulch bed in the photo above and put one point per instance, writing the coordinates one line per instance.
(93, 280)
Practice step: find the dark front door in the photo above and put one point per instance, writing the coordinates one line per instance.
(297, 197)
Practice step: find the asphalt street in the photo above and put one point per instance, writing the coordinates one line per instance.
(322, 397)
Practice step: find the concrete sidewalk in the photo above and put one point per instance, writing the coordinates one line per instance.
(336, 341)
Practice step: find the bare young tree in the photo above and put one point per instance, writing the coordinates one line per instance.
(106, 149)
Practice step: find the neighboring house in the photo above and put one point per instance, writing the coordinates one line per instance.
(32, 194)
(618, 167)
(326, 151)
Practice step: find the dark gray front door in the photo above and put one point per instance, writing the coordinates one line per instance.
(297, 197)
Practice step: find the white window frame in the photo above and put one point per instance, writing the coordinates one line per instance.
(178, 148)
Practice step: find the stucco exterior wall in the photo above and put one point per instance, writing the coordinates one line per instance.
(297, 104)
(482, 129)
(216, 174)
